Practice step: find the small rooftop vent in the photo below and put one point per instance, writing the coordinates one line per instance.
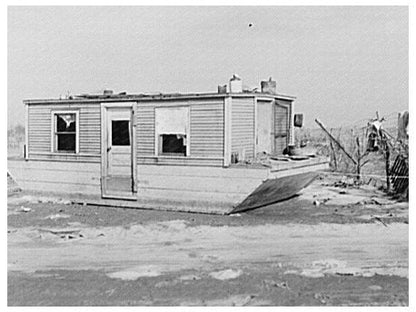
(108, 92)
(222, 89)
(268, 86)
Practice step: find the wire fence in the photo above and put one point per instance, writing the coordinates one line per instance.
(383, 157)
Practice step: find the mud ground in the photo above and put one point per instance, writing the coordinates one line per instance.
(330, 245)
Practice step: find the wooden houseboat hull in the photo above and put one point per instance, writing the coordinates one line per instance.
(172, 188)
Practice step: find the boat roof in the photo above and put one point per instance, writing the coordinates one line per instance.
(124, 97)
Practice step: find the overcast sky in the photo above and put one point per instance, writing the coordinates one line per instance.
(342, 63)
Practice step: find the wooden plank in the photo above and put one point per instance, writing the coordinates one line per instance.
(204, 125)
(70, 155)
(41, 156)
(180, 102)
(291, 124)
(218, 136)
(181, 197)
(68, 159)
(40, 143)
(335, 141)
(40, 149)
(53, 166)
(213, 141)
(147, 148)
(104, 144)
(133, 147)
(96, 125)
(39, 135)
(213, 113)
(93, 116)
(229, 185)
(207, 151)
(26, 131)
(302, 169)
(255, 127)
(57, 176)
(53, 187)
(203, 172)
(213, 148)
(275, 190)
(96, 146)
(288, 165)
(181, 162)
(243, 126)
(157, 204)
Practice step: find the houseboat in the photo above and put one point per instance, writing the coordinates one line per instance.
(217, 152)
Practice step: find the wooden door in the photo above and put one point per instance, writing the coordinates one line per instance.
(281, 128)
(118, 173)
(264, 127)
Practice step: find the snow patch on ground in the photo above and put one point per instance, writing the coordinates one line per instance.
(190, 277)
(226, 274)
(136, 272)
(57, 216)
(337, 267)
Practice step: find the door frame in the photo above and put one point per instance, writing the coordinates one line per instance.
(104, 145)
(260, 102)
(287, 135)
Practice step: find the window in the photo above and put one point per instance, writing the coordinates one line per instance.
(174, 144)
(65, 136)
(120, 133)
(172, 131)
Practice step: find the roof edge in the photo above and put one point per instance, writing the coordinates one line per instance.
(154, 97)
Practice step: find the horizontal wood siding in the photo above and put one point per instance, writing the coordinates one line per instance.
(207, 129)
(65, 157)
(209, 188)
(58, 177)
(90, 129)
(180, 161)
(145, 130)
(242, 126)
(39, 130)
(206, 133)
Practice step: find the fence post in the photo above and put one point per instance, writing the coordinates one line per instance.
(358, 159)
(387, 155)
(335, 141)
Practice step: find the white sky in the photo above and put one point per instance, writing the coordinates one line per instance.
(342, 63)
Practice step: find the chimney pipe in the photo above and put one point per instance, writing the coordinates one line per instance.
(222, 89)
(268, 86)
(236, 84)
